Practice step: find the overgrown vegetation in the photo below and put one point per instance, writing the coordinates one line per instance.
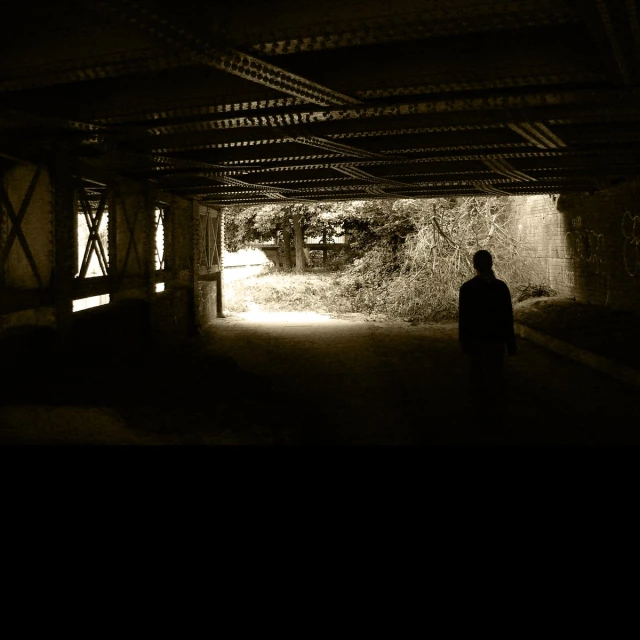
(407, 258)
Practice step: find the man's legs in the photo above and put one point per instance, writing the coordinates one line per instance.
(486, 362)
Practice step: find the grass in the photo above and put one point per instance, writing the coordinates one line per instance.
(273, 291)
(340, 292)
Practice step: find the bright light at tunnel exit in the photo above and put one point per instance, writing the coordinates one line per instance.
(283, 317)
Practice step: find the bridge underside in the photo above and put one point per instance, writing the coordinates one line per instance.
(252, 101)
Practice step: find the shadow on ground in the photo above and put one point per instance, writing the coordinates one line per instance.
(322, 382)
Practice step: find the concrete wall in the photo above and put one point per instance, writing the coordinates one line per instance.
(208, 249)
(25, 300)
(173, 310)
(587, 244)
(37, 227)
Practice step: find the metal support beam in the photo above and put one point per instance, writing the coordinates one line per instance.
(441, 19)
(354, 172)
(73, 71)
(504, 168)
(229, 60)
(537, 133)
(615, 29)
(65, 221)
(614, 38)
(563, 102)
(16, 232)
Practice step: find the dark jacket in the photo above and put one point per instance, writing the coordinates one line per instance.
(486, 314)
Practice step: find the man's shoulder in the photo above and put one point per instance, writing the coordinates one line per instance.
(468, 284)
(466, 287)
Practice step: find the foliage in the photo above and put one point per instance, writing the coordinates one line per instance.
(384, 222)
(260, 223)
(531, 290)
(410, 257)
(420, 278)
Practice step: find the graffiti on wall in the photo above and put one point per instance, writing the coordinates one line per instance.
(631, 247)
(585, 245)
(567, 276)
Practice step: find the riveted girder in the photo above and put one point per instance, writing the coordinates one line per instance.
(253, 102)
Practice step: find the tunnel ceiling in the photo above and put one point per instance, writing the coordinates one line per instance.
(247, 102)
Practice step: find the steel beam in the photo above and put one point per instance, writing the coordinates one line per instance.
(114, 65)
(504, 168)
(538, 134)
(615, 37)
(614, 151)
(614, 26)
(227, 59)
(354, 172)
(441, 19)
(168, 145)
(51, 121)
(588, 76)
(226, 105)
(567, 102)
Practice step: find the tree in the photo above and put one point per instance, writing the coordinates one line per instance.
(259, 223)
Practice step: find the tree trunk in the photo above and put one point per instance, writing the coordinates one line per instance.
(301, 260)
(324, 247)
(286, 242)
(277, 245)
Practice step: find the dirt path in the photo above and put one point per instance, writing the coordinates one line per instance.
(350, 381)
(360, 382)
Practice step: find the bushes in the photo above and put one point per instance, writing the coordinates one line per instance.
(420, 279)
(530, 290)
(412, 258)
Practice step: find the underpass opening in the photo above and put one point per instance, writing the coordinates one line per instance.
(400, 259)
(139, 134)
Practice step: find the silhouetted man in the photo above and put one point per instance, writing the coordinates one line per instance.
(485, 329)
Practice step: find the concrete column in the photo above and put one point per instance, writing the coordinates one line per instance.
(65, 250)
(220, 287)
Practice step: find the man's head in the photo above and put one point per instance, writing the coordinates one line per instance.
(482, 261)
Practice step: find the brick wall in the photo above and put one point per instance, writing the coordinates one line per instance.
(588, 245)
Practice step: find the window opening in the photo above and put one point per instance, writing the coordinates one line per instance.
(92, 233)
(209, 248)
(159, 254)
(159, 287)
(91, 301)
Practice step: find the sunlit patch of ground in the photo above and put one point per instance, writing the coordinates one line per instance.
(277, 292)
(281, 317)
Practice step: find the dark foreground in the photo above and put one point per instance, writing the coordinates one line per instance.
(313, 382)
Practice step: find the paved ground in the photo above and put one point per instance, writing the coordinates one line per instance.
(393, 383)
(607, 332)
(350, 381)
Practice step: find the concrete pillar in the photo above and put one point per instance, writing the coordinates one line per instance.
(220, 288)
(65, 230)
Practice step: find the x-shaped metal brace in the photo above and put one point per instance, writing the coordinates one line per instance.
(160, 221)
(94, 243)
(16, 231)
(131, 226)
